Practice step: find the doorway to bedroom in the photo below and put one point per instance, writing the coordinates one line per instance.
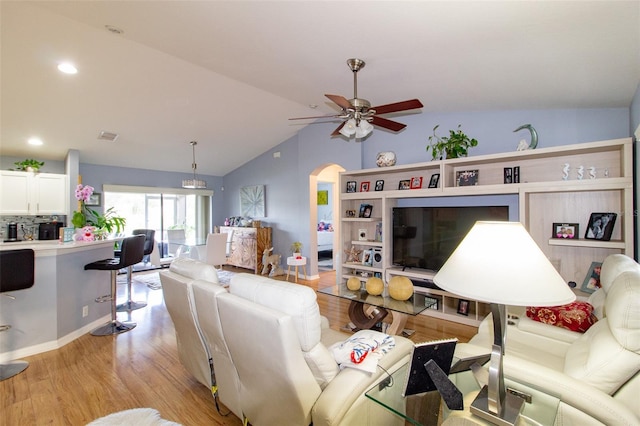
(325, 224)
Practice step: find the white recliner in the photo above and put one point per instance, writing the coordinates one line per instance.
(277, 343)
(177, 285)
(596, 377)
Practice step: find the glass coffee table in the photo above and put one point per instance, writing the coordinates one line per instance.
(365, 310)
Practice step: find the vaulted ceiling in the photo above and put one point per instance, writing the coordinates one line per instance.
(229, 74)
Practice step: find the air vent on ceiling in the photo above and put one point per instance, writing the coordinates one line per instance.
(108, 136)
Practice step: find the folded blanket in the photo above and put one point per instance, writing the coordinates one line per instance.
(363, 350)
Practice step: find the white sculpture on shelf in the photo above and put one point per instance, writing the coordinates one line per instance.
(592, 172)
(565, 171)
(580, 172)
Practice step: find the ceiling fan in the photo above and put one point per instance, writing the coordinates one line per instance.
(358, 115)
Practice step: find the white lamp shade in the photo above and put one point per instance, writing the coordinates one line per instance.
(498, 262)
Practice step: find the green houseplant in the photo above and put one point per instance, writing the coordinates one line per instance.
(29, 165)
(296, 247)
(455, 145)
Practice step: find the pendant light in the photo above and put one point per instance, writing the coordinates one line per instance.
(194, 183)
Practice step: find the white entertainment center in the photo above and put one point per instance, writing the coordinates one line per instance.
(543, 195)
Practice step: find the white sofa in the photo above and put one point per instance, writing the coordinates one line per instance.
(596, 374)
(268, 346)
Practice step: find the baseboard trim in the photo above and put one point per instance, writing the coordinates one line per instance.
(53, 344)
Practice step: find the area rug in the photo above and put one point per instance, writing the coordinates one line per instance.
(152, 279)
(134, 417)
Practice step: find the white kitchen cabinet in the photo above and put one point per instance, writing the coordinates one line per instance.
(26, 193)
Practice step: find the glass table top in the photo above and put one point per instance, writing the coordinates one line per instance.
(416, 304)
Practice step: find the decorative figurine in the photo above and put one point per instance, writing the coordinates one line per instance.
(523, 146)
(592, 172)
(565, 171)
(353, 254)
(580, 172)
(386, 159)
(271, 261)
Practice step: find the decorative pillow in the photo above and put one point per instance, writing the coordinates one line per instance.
(576, 316)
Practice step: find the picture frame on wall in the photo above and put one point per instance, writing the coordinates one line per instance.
(467, 177)
(364, 186)
(600, 226)
(567, 231)
(404, 184)
(592, 281)
(416, 182)
(433, 182)
(351, 186)
(94, 200)
(379, 185)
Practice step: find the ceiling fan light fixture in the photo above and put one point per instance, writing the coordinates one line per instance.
(194, 183)
(349, 128)
(363, 129)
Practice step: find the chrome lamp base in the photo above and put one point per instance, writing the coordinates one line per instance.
(511, 408)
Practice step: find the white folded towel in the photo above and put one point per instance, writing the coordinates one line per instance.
(363, 350)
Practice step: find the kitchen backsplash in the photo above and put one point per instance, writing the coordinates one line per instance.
(28, 223)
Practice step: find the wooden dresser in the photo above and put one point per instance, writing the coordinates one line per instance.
(247, 245)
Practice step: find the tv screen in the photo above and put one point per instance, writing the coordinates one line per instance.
(425, 237)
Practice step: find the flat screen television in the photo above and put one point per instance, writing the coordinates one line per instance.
(425, 237)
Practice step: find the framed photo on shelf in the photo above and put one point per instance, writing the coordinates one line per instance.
(592, 280)
(379, 185)
(94, 200)
(364, 186)
(508, 175)
(367, 257)
(433, 182)
(350, 213)
(365, 210)
(416, 182)
(463, 307)
(565, 231)
(600, 226)
(467, 178)
(404, 184)
(351, 186)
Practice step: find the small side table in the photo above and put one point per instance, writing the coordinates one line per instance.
(292, 261)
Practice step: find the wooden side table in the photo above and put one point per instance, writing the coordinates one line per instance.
(292, 261)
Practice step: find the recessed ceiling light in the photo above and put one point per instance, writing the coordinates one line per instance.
(114, 30)
(67, 68)
(35, 141)
(313, 106)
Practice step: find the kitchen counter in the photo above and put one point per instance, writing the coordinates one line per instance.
(49, 314)
(55, 247)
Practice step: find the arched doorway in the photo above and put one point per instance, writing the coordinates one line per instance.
(324, 243)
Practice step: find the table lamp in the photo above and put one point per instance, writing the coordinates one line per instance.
(499, 263)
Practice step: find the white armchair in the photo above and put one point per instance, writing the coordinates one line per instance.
(277, 343)
(597, 376)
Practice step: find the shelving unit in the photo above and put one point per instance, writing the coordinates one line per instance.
(544, 198)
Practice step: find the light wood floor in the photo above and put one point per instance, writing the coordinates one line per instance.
(95, 376)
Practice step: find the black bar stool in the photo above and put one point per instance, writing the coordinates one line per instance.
(149, 241)
(16, 273)
(132, 253)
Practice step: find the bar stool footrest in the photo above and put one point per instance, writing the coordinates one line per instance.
(102, 299)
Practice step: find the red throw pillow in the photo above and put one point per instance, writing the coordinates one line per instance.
(576, 316)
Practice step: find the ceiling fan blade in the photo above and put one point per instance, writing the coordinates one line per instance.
(387, 124)
(318, 116)
(336, 132)
(398, 106)
(341, 101)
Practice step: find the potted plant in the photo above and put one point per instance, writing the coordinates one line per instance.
(29, 165)
(296, 248)
(455, 145)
